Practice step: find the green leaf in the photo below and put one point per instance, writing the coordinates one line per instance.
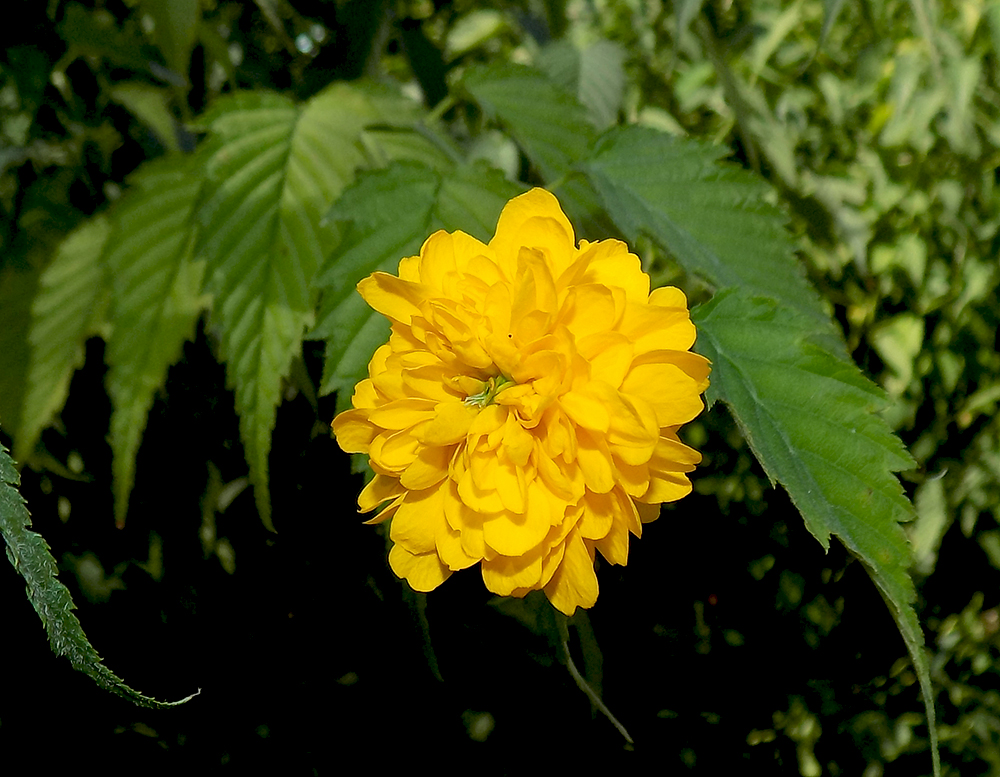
(17, 288)
(391, 212)
(595, 73)
(176, 30)
(809, 417)
(69, 307)
(155, 288)
(150, 105)
(546, 121)
(31, 557)
(714, 219)
(274, 169)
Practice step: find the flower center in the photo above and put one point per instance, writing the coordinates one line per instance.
(491, 388)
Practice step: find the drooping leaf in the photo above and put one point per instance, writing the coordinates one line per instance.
(31, 557)
(595, 73)
(273, 170)
(150, 105)
(810, 418)
(714, 219)
(69, 307)
(155, 301)
(391, 212)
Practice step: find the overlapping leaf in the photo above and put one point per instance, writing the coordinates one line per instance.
(546, 121)
(155, 300)
(31, 557)
(550, 125)
(391, 213)
(809, 417)
(714, 219)
(68, 308)
(273, 170)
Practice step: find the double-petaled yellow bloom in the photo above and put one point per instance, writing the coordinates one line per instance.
(525, 409)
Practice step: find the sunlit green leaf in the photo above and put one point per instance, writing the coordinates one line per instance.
(68, 308)
(274, 169)
(155, 301)
(810, 418)
(31, 557)
(391, 213)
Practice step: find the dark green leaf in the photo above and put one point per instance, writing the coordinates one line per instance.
(546, 121)
(713, 218)
(810, 418)
(31, 557)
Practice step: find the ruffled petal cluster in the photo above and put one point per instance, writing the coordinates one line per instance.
(524, 412)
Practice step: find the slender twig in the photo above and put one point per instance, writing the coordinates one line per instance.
(584, 686)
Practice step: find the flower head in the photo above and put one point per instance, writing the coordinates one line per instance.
(524, 412)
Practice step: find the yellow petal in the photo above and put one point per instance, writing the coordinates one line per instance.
(674, 396)
(574, 583)
(585, 410)
(594, 458)
(451, 424)
(354, 431)
(614, 545)
(510, 486)
(517, 443)
(429, 468)
(393, 452)
(402, 413)
(610, 263)
(598, 516)
(379, 489)
(394, 298)
(424, 572)
(503, 575)
(451, 551)
(511, 534)
(533, 219)
(419, 518)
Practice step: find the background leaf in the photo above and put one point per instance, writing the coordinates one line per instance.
(17, 289)
(155, 301)
(31, 557)
(810, 420)
(594, 72)
(391, 213)
(69, 307)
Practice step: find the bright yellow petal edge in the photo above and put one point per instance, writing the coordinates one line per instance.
(524, 412)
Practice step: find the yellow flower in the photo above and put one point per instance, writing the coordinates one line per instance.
(525, 409)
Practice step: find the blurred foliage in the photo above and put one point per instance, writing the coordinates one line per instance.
(876, 125)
